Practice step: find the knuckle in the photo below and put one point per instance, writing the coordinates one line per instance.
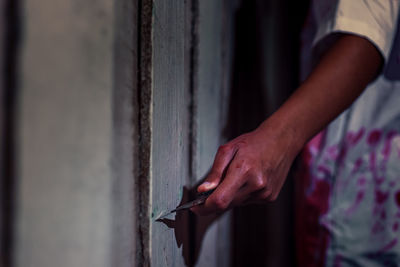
(224, 149)
(259, 182)
(221, 203)
(246, 166)
(241, 141)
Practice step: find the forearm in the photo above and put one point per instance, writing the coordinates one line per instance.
(339, 78)
(254, 166)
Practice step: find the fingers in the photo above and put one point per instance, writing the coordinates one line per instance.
(237, 189)
(260, 197)
(242, 196)
(222, 197)
(222, 159)
(254, 189)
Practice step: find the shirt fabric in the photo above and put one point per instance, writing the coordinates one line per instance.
(348, 187)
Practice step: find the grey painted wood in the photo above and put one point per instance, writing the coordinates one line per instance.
(171, 120)
(170, 127)
(75, 135)
(208, 110)
(215, 45)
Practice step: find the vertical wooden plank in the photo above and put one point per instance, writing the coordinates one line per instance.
(65, 134)
(188, 85)
(170, 130)
(214, 54)
(208, 99)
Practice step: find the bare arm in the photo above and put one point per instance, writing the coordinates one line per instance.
(337, 81)
(254, 166)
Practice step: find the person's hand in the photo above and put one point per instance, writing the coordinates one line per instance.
(249, 169)
(253, 167)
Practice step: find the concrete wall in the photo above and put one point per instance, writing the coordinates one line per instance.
(75, 135)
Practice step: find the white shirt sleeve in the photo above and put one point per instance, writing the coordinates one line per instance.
(375, 20)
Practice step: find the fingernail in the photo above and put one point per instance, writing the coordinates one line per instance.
(207, 185)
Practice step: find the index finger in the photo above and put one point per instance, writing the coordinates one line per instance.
(223, 195)
(222, 159)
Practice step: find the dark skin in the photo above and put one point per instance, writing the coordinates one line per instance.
(253, 167)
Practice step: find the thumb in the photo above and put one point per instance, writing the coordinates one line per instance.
(222, 159)
(210, 182)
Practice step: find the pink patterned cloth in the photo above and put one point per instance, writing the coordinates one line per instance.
(348, 184)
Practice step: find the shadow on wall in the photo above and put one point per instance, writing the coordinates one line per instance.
(185, 222)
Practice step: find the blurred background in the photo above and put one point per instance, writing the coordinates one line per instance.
(110, 110)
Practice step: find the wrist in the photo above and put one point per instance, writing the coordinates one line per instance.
(282, 129)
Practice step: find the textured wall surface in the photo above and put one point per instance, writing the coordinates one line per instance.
(75, 159)
(189, 85)
(211, 102)
(170, 128)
